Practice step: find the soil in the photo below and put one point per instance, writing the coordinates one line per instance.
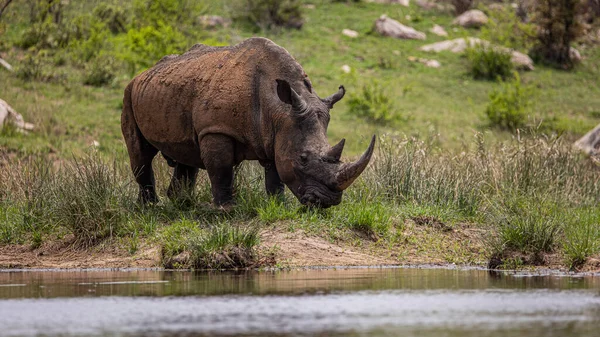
(424, 242)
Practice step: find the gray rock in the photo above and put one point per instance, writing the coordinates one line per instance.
(404, 3)
(520, 60)
(590, 143)
(350, 33)
(438, 30)
(9, 115)
(473, 18)
(213, 21)
(389, 27)
(574, 55)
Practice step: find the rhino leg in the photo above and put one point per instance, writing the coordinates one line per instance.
(217, 152)
(273, 182)
(182, 182)
(141, 154)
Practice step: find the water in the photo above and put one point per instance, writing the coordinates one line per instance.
(343, 302)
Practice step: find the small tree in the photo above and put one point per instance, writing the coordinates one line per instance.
(558, 27)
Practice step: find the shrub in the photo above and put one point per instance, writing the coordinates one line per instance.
(490, 63)
(582, 237)
(37, 67)
(100, 71)
(112, 16)
(165, 12)
(461, 6)
(506, 29)
(508, 106)
(558, 28)
(373, 103)
(269, 14)
(147, 45)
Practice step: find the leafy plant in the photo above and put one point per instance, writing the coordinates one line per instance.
(490, 63)
(100, 71)
(506, 29)
(373, 103)
(508, 107)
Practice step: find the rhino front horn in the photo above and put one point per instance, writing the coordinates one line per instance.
(349, 172)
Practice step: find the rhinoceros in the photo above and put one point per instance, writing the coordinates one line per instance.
(213, 107)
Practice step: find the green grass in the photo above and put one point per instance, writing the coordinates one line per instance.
(439, 165)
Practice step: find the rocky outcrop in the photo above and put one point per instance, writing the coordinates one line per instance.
(438, 30)
(9, 115)
(473, 18)
(389, 27)
(590, 143)
(213, 21)
(520, 60)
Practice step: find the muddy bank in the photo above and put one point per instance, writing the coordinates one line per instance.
(462, 245)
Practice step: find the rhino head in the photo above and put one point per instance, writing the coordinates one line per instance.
(305, 161)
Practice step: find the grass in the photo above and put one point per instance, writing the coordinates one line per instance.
(442, 167)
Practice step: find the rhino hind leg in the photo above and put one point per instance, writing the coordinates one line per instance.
(182, 182)
(217, 152)
(273, 183)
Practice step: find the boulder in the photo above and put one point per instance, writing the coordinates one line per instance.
(404, 3)
(473, 18)
(6, 65)
(350, 33)
(346, 69)
(213, 21)
(590, 143)
(426, 62)
(9, 115)
(389, 27)
(428, 5)
(438, 30)
(574, 55)
(520, 60)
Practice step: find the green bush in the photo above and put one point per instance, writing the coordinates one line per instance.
(38, 67)
(506, 29)
(373, 103)
(147, 45)
(508, 107)
(559, 26)
(369, 217)
(166, 12)
(489, 63)
(99, 71)
(269, 14)
(112, 16)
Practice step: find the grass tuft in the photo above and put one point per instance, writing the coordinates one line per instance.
(224, 247)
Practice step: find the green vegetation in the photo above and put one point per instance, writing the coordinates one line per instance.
(529, 192)
(489, 63)
(508, 107)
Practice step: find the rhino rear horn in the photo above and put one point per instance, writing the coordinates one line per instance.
(349, 172)
(336, 151)
(289, 96)
(331, 100)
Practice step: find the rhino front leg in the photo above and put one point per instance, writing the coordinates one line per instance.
(217, 152)
(273, 182)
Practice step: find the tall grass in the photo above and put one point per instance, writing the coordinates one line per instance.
(536, 194)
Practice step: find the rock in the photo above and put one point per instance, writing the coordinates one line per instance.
(438, 30)
(346, 69)
(473, 18)
(574, 55)
(9, 115)
(389, 27)
(520, 60)
(425, 4)
(213, 21)
(95, 143)
(426, 62)
(6, 65)
(404, 3)
(496, 7)
(309, 6)
(350, 33)
(590, 143)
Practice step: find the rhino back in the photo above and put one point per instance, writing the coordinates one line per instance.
(226, 90)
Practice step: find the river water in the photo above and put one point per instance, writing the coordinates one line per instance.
(328, 302)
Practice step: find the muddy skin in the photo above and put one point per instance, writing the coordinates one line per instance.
(214, 107)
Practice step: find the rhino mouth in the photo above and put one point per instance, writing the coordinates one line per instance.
(320, 197)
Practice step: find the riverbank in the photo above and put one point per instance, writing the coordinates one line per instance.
(463, 245)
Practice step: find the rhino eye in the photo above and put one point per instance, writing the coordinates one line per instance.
(303, 158)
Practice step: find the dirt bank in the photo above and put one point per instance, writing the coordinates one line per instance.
(418, 244)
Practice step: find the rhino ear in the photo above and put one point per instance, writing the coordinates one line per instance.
(284, 91)
(289, 96)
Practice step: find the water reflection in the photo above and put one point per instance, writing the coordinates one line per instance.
(43, 284)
